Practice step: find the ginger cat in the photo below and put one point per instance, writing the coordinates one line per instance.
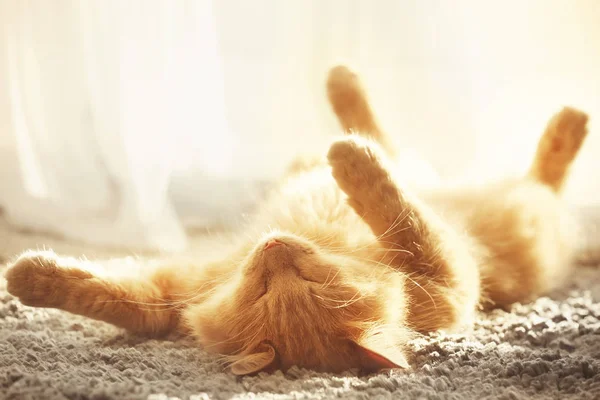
(349, 264)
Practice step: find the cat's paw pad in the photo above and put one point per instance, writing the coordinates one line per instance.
(37, 278)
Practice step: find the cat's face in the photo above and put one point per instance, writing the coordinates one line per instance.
(294, 303)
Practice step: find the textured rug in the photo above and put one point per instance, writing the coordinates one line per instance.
(549, 349)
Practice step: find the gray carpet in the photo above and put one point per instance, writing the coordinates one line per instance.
(548, 349)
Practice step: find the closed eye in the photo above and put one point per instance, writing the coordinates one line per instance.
(262, 293)
(304, 277)
(265, 286)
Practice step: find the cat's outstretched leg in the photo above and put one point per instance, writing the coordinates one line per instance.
(528, 235)
(350, 104)
(558, 147)
(42, 279)
(443, 274)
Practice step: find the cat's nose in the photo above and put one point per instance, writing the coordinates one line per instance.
(272, 243)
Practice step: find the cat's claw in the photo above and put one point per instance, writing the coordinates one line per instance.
(37, 279)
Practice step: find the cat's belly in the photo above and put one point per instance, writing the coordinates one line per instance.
(313, 206)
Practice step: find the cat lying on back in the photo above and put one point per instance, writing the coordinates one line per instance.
(349, 264)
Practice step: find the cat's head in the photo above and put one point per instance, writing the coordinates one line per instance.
(294, 303)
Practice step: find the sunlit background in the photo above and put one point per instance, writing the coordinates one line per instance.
(124, 121)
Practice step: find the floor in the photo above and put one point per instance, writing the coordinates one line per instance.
(547, 349)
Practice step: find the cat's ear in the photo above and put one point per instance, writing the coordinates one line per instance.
(264, 357)
(375, 355)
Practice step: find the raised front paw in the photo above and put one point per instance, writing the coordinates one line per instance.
(41, 278)
(357, 165)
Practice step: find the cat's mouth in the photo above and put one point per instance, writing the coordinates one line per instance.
(277, 258)
(286, 269)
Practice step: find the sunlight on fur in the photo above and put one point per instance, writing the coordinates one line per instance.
(343, 263)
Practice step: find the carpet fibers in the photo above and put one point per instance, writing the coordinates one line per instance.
(549, 349)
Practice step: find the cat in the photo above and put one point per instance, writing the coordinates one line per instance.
(349, 263)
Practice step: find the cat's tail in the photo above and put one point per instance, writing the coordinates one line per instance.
(558, 147)
(349, 102)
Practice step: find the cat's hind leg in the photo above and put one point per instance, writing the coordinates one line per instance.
(528, 235)
(443, 276)
(351, 105)
(558, 147)
(43, 279)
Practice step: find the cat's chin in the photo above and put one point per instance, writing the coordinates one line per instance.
(285, 256)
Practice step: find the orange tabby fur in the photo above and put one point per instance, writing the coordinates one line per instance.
(348, 262)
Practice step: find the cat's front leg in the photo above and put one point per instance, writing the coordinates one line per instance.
(442, 275)
(362, 171)
(39, 279)
(43, 279)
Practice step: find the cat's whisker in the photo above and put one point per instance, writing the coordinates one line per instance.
(234, 339)
(327, 284)
(398, 265)
(389, 249)
(398, 221)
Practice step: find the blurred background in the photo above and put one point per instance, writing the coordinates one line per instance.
(130, 122)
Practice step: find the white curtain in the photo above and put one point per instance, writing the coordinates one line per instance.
(123, 121)
(107, 99)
